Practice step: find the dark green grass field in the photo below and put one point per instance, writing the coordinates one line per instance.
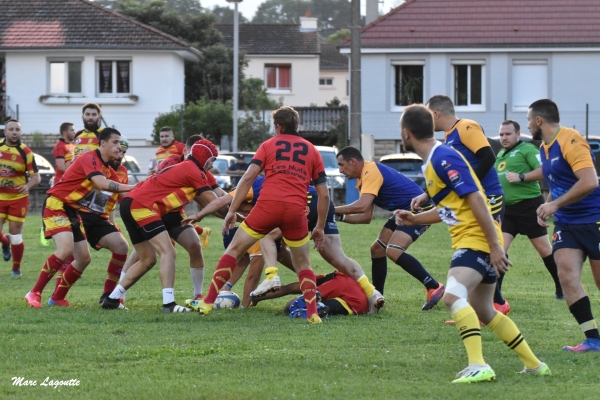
(261, 353)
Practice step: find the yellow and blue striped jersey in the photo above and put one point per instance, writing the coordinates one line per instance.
(449, 177)
(467, 137)
(392, 190)
(566, 154)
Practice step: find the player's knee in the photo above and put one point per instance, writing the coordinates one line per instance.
(393, 252)
(121, 247)
(16, 239)
(378, 248)
(84, 260)
(194, 249)
(456, 295)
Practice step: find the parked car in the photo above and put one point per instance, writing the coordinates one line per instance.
(133, 169)
(334, 178)
(408, 164)
(46, 171)
(246, 154)
(221, 164)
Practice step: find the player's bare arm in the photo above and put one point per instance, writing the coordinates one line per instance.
(106, 184)
(211, 207)
(404, 217)
(418, 201)
(498, 258)
(359, 212)
(34, 180)
(586, 184)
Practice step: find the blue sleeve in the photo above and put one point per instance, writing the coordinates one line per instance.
(454, 171)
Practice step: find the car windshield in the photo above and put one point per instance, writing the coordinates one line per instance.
(130, 166)
(221, 165)
(329, 159)
(404, 165)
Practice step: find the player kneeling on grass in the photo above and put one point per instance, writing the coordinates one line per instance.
(143, 212)
(340, 295)
(84, 185)
(478, 257)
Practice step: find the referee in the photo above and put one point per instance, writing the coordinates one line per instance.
(519, 170)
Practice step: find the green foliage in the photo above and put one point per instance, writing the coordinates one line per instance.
(332, 15)
(402, 352)
(182, 7)
(38, 139)
(252, 131)
(253, 96)
(335, 102)
(224, 15)
(210, 118)
(339, 36)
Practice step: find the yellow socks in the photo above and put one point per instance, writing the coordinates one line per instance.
(271, 272)
(467, 324)
(365, 285)
(507, 331)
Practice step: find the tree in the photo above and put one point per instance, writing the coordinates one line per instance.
(339, 36)
(253, 96)
(332, 15)
(210, 78)
(224, 15)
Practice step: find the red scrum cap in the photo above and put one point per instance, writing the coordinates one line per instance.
(203, 150)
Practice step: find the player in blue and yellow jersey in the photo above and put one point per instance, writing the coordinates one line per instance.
(467, 137)
(387, 188)
(476, 238)
(18, 175)
(574, 200)
(87, 138)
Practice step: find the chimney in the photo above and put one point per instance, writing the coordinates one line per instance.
(372, 11)
(308, 23)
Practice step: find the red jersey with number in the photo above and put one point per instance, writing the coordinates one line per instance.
(76, 188)
(62, 150)
(290, 163)
(171, 188)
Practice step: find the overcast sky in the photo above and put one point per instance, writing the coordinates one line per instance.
(248, 7)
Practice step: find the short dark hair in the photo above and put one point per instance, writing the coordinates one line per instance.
(193, 139)
(12, 120)
(350, 152)
(106, 133)
(513, 123)
(166, 129)
(546, 109)
(65, 126)
(91, 105)
(441, 103)
(419, 120)
(286, 117)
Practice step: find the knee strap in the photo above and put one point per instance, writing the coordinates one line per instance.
(396, 247)
(379, 242)
(16, 239)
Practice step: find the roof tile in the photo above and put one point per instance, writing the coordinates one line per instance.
(271, 39)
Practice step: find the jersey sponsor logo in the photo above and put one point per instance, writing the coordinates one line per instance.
(454, 176)
(6, 170)
(445, 164)
(78, 141)
(481, 261)
(13, 158)
(501, 166)
(7, 183)
(449, 142)
(513, 153)
(60, 221)
(556, 238)
(448, 216)
(429, 183)
(555, 159)
(467, 128)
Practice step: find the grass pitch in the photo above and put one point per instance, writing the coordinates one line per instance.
(261, 353)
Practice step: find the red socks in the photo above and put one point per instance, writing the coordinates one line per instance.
(70, 276)
(17, 255)
(50, 267)
(113, 272)
(220, 277)
(308, 285)
(60, 272)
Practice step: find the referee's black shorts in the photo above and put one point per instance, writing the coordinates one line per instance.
(521, 218)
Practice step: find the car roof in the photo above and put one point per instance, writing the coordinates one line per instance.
(226, 157)
(401, 156)
(327, 148)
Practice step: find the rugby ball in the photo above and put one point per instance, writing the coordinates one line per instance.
(227, 300)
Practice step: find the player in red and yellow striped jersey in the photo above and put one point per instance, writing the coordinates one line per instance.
(88, 183)
(143, 212)
(63, 150)
(87, 138)
(18, 174)
(168, 147)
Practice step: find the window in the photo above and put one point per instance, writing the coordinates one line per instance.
(529, 82)
(278, 77)
(468, 85)
(326, 82)
(65, 77)
(114, 77)
(408, 84)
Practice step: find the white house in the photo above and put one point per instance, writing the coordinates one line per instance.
(493, 58)
(284, 56)
(56, 55)
(333, 75)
